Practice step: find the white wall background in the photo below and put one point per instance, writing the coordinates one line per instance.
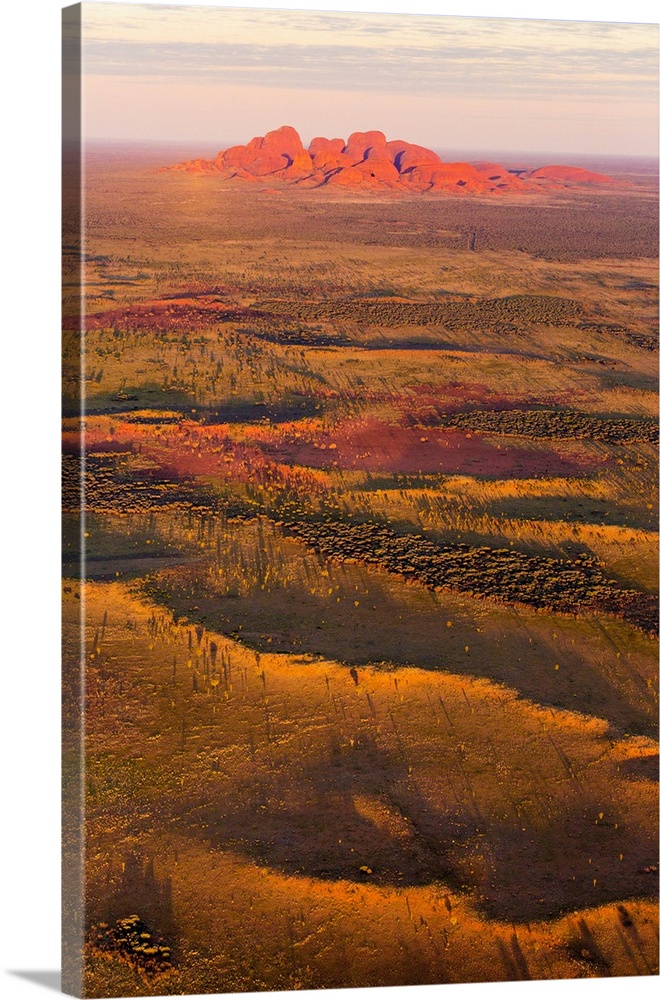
(29, 461)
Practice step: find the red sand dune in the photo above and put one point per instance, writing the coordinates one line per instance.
(300, 454)
(378, 447)
(179, 451)
(368, 162)
(164, 313)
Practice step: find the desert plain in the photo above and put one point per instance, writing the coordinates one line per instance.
(360, 569)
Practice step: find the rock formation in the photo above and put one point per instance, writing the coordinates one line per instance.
(368, 162)
(568, 176)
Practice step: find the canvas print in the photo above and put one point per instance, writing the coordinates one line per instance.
(360, 432)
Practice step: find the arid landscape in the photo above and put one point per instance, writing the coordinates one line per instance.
(367, 566)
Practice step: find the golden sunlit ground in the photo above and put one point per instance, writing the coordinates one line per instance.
(369, 590)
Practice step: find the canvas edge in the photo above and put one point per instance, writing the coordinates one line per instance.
(73, 922)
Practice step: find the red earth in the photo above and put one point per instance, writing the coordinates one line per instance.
(297, 453)
(376, 446)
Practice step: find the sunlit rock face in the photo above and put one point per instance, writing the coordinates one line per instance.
(367, 161)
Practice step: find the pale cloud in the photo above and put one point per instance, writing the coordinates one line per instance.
(580, 67)
(511, 70)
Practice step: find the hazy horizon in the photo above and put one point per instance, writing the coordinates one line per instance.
(211, 144)
(188, 75)
(174, 149)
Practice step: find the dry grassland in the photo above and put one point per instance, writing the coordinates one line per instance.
(370, 585)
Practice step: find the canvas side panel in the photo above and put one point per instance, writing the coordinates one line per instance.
(72, 511)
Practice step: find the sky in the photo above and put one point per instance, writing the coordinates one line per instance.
(211, 76)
